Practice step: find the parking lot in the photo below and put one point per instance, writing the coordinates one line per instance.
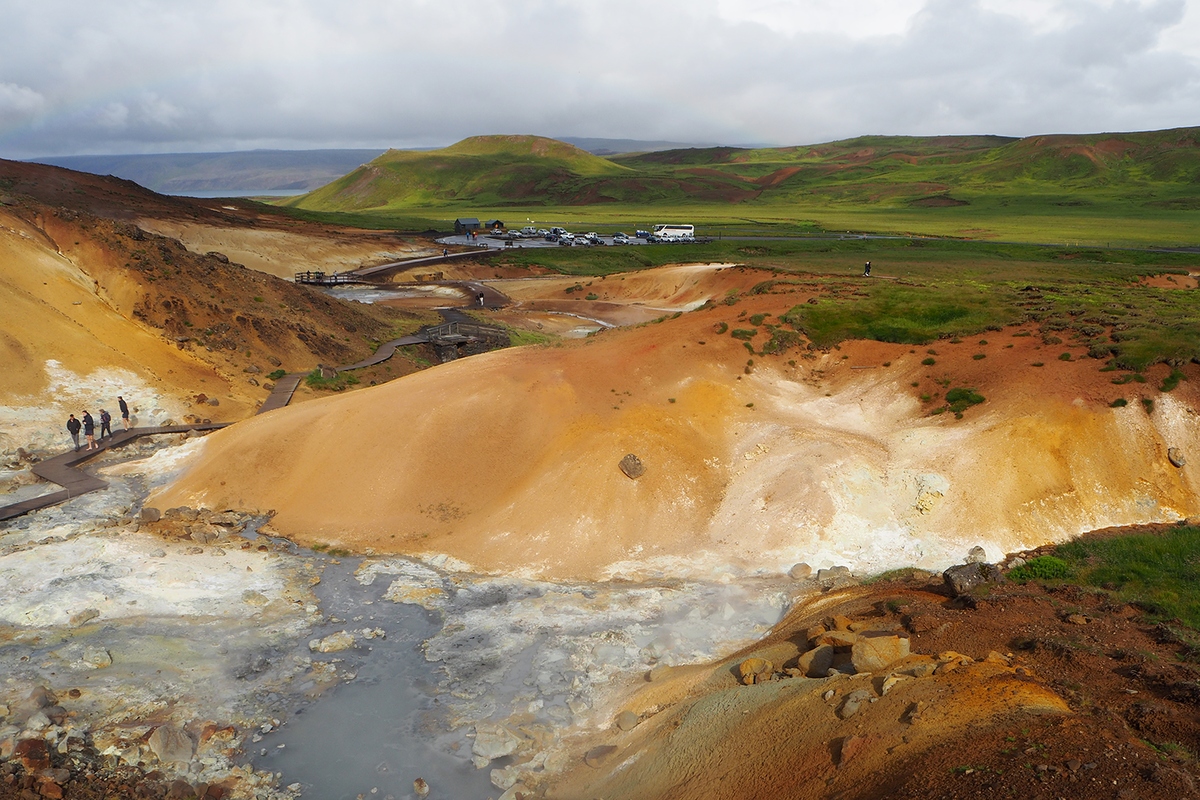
(503, 241)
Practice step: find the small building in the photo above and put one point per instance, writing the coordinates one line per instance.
(495, 224)
(466, 224)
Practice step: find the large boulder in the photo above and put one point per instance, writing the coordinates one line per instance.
(816, 662)
(877, 653)
(963, 578)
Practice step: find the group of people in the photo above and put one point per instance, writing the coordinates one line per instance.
(88, 425)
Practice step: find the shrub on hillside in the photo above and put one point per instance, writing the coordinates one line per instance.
(1042, 568)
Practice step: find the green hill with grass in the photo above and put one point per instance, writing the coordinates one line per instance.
(1153, 170)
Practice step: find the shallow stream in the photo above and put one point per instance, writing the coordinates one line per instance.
(469, 682)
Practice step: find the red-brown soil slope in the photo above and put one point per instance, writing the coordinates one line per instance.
(509, 461)
(96, 307)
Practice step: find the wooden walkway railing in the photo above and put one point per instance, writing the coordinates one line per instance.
(61, 469)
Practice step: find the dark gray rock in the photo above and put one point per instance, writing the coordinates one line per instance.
(632, 466)
(150, 514)
(1175, 456)
(963, 578)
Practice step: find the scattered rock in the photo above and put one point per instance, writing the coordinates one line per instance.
(180, 790)
(976, 555)
(420, 788)
(816, 662)
(627, 720)
(853, 703)
(495, 741)
(877, 653)
(836, 639)
(150, 514)
(755, 670)
(961, 579)
(800, 572)
(1077, 619)
(833, 575)
(850, 747)
(253, 369)
(596, 757)
(212, 401)
(169, 744)
(840, 622)
(33, 754)
(1175, 456)
(94, 658)
(632, 466)
(916, 712)
(333, 643)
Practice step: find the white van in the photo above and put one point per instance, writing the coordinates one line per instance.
(674, 232)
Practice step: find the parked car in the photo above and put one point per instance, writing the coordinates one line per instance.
(529, 230)
(550, 237)
(642, 234)
(620, 238)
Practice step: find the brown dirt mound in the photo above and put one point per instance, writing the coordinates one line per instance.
(1061, 693)
(762, 460)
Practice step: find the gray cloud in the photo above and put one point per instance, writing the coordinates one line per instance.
(136, 76)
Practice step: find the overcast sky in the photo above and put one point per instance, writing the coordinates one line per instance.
(152, 76)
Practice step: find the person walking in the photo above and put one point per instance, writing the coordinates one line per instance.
(73, 426)
(867, 270)
(89, 430)
(105, 424)
(124, 411)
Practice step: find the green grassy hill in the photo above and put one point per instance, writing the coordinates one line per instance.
(1160, 169)
(490, 170)
(1098, 188)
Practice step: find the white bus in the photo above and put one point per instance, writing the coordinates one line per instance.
(674, 232)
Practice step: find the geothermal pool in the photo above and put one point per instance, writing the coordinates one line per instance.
(328, 677)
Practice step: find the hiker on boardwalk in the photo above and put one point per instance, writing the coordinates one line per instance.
(105, 423)
(867, 270)
(89, 430)
(124, 411)
(73, 427)
(480, 299)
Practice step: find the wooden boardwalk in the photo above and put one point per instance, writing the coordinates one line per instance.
(61, 469)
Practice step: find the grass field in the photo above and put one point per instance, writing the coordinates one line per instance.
(1159, 571)
(1035, 220)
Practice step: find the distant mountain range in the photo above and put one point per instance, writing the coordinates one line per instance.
(267, 171)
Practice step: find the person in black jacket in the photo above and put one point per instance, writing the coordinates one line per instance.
(89, 430)
(105, 424)
(73, 427)
(124, 411)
